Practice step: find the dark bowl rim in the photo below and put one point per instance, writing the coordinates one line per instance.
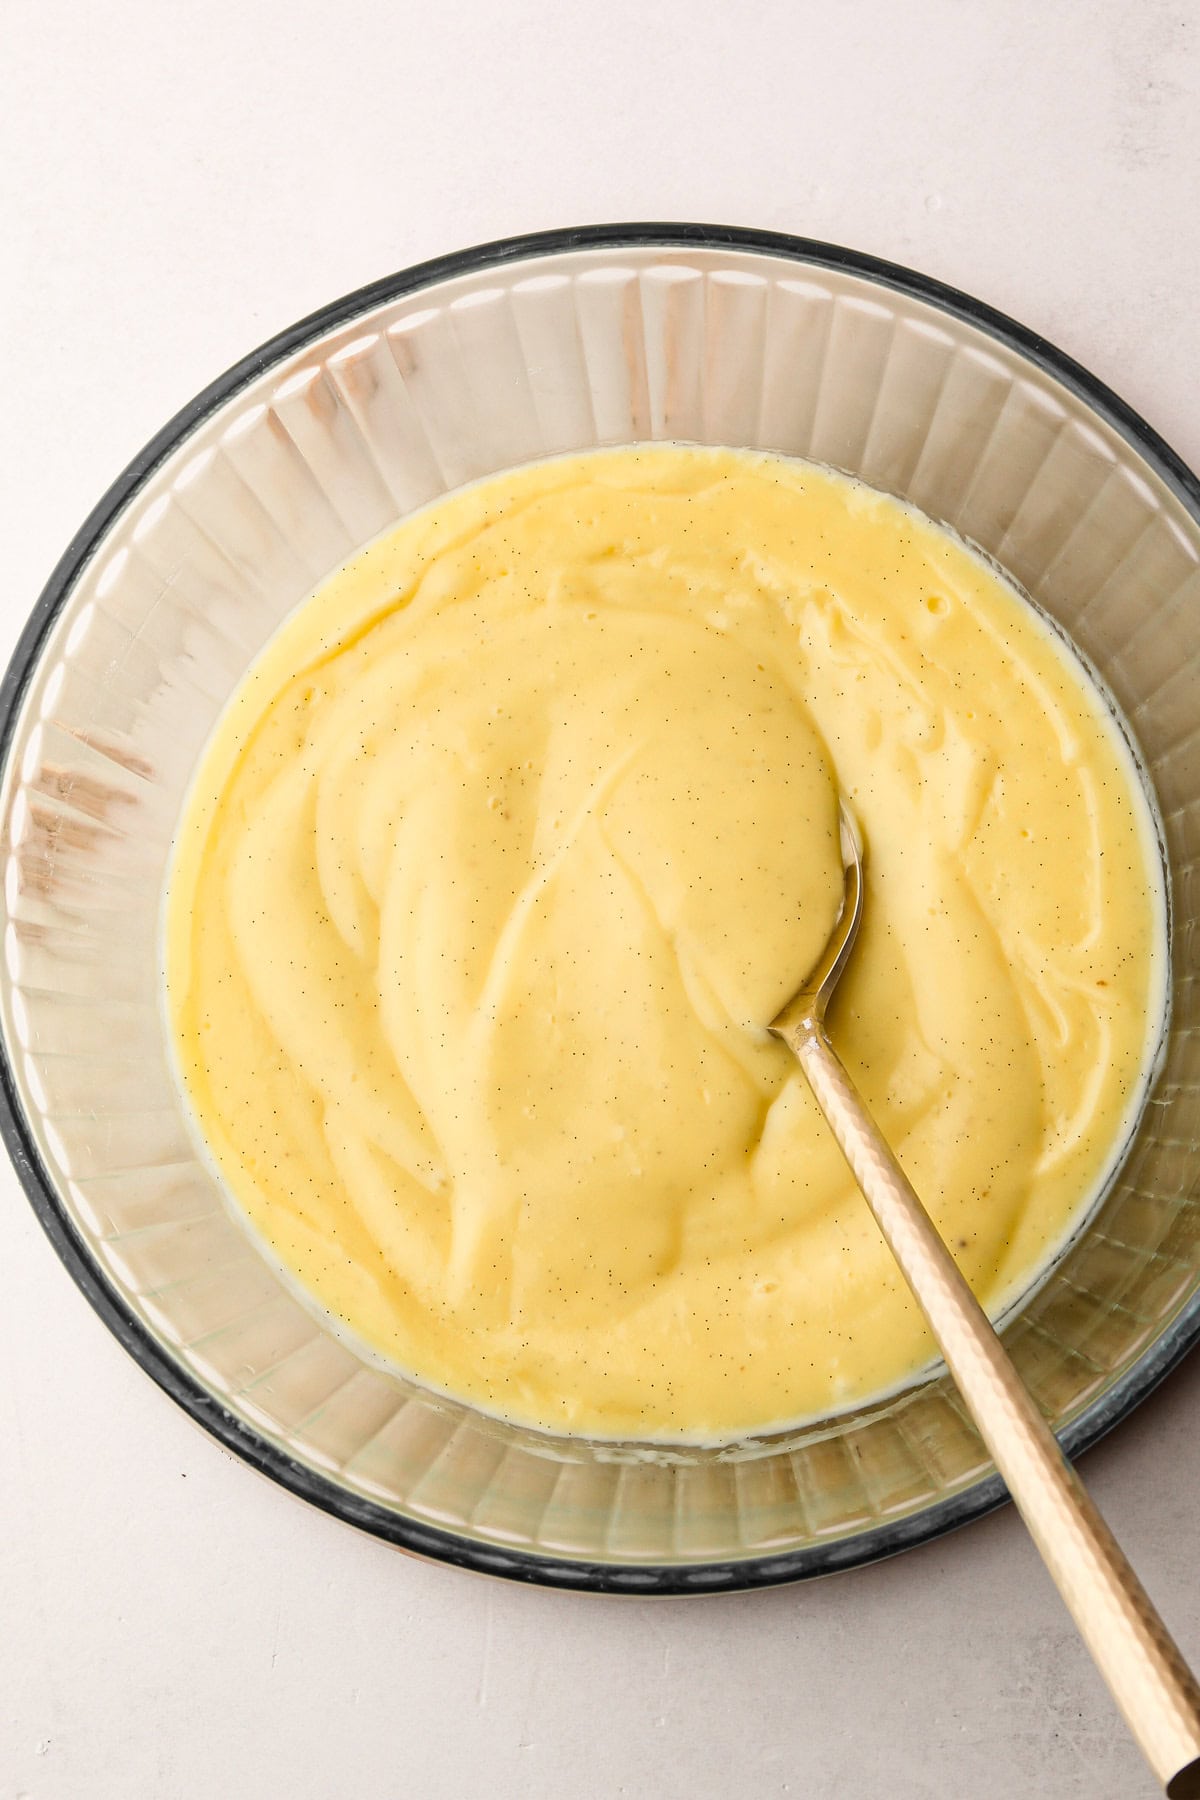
(234, 1433)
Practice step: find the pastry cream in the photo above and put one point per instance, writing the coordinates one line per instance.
(523, 827)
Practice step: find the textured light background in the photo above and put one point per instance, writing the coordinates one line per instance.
(176, 183)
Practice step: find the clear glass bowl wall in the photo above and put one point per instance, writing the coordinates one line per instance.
(314, 451)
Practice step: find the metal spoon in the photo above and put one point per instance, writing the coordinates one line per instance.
(1148, 1677)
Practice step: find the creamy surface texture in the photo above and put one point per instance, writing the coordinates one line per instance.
(517, 835)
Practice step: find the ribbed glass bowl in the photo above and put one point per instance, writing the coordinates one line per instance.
(313, 445)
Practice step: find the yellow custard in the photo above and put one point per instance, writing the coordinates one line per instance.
(523, 827)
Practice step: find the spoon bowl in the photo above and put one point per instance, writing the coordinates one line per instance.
(813, 996)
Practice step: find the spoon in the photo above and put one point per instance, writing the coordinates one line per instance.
(1129, 1643)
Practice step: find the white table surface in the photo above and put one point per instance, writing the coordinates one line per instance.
(180, 181)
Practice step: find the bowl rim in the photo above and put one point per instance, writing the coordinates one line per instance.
(235, 1434)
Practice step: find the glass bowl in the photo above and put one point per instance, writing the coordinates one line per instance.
(311, 446)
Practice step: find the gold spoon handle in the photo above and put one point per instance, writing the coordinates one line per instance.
(1148, 1677)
